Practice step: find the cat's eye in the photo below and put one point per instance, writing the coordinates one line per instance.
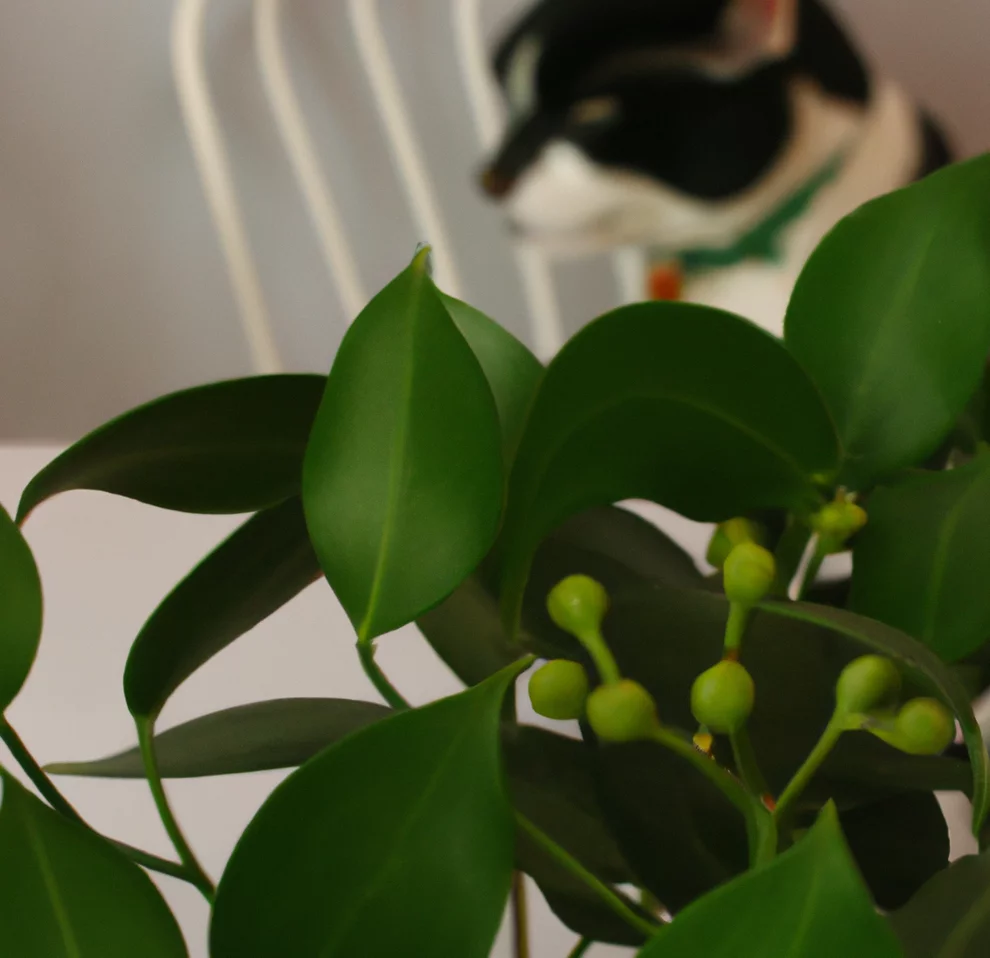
(594, 111)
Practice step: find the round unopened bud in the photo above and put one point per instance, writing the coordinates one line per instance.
(924, 727)
(622, 711)
(728, 535)
(867, 683)
(722, 697)
(558, 690)
(749, 573)
(836, 522)
(578, 604)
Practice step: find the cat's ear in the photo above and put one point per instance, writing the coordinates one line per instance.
(755, 31)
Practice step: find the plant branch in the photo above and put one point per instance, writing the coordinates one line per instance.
(789, 552)
(366, 653)
(735, 628)
(520, 916)
(49, 791)
(729, 786)
(806, 772)
(614, 901)
(37, 775)
(746, 764)
(581, 948)
(193, 869)
(814, 567)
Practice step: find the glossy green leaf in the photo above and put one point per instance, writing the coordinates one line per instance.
(20, 610)
(922, 666)
(67, 893)
(280, 733)
(398, 840)
(950, 916)
(639, 405)
(551, 782)
(681, 835)
(227, 447)
(922, 563)
(465, 630)
(250, 575)
(402, 482)
(808, 903)
(511, 369)
(891, 317)
(899, 843)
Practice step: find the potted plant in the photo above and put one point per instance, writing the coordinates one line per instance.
(759, 749)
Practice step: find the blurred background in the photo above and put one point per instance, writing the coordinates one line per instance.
(112, 281)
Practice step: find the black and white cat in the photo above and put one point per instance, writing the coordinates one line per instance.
(723, 136)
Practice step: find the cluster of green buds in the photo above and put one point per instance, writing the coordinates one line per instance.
(836, 523)
(867, 696)
(619, 709)
(730, 534)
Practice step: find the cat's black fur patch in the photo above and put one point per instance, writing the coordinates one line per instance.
(709, 137)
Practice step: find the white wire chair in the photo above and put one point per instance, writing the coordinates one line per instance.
(205, 134)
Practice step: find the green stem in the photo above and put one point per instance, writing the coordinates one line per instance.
(812, 763)
(718, 776)
(811, 573)
(193, 869)
(366, 653)
(735, 627)
(789, 552)
(581, 948)
(61, 804)
(608, 669)
(746, 764)
(520, 916)
(34, 772)
(610, 898)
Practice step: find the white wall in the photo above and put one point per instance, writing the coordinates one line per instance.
(112, 288)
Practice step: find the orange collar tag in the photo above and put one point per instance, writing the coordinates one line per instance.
(665, 281)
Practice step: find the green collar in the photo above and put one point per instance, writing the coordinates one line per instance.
(763, 241)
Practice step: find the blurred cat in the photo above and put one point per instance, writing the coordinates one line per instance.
(725, 137)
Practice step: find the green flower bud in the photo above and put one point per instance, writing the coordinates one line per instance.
(559, 689)
(836, 523)
(578, 604)
(622, 711)
(924, 727)
(728, 535)
(722, 697)
(867, 683)
(749, 573)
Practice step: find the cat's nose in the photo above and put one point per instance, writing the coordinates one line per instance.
(494, 183)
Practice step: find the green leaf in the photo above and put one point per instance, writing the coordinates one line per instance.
(923, 667)
(227, 447)
(891, 317)
(511, 369)
(395, 841)
(552, 785)
(808, 903)
(465, 630)
(639, 405)
(899, 843)
(920, 564)
(950, 916)
(20, 610)
(402, 482)
(281, 733)
(681, 834)
(67, 893)
(250, 575)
